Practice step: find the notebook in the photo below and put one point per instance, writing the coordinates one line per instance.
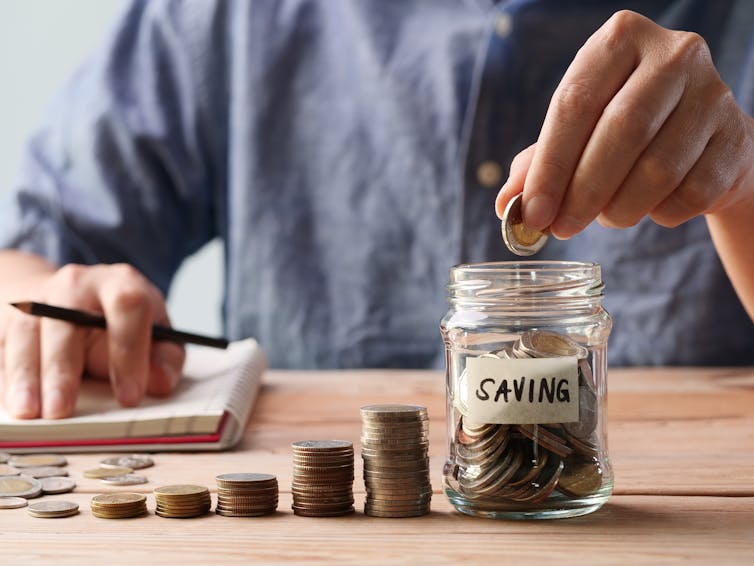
(207, 411)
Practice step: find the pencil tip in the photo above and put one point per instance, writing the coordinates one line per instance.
(25, 306)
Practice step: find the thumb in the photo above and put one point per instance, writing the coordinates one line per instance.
(165, 368)
(515, 183)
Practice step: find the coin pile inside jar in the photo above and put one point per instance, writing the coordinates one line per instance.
(395, 451)
(528, 462)
(246, 495)
(322, 478)
(182, 501)
(118, 505)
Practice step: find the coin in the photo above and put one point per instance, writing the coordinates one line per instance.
(6, 470)
(53, 509)
(55, 485)
(125, 479)
(12, 502)
(133, 461)
(545, 344)
(99, 473)
(40, 472)
(20, 486)
(246, 494)
(4, 457)
(587, 422)
(34, 460)
(118, 505)
(580, 477)
(518, 237)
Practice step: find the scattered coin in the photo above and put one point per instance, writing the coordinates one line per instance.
(246, 494)
(4, 457)
(6, 470)
(133, 461)
(40, 472)
(35, 460)
(518, 237)
(20, 486)
(53, 509)
(125, 479)
(182, 501)
(395, 452)
(12, 502)
(118, 505)
(99, 473)
(55, 485)
(322, 478)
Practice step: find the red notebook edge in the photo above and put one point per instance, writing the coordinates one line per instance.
(214, 437)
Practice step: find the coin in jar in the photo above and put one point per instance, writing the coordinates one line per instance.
(518, 237)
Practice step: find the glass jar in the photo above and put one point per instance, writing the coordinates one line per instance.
(526, 346)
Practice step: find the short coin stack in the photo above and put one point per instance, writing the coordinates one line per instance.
(395, 450)
(322, 478)
(182, 501)
(53, 509)
(118, 505)
(246, 495)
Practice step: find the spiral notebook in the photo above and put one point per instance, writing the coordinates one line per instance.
(207, 411)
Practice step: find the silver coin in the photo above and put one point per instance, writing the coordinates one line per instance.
(4, 457)
(52, 509)
(125, 479)
(54, 485)
(40, 472)
(133, 461)
(544, 344)
(12, 502)
(35, 460)
(518, 237)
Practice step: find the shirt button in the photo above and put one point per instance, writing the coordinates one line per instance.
(489, 174)
(503, 25)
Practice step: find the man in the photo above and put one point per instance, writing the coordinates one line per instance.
(349, 153)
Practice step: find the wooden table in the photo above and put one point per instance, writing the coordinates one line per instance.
(681, 441)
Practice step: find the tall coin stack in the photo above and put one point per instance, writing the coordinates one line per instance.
(246, 495)
(182, 501)
(322, 478)
(395, 450)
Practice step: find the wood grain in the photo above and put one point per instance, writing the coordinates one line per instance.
(681, 443)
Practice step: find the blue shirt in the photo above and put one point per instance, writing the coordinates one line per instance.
(335, 146)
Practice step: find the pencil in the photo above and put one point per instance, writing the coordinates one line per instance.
(83, 318)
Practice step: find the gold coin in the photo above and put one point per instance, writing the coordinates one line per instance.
(580, 477)
(116, 499)
(180, 490)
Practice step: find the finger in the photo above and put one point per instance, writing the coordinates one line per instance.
(708, 181)
(63, 345)
(515, 182)
(128, 301)
(627, 126)
(663, 165)
(166, 361)
(22, 366)
(599, 70)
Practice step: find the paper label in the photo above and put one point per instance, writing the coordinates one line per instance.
(527, 391)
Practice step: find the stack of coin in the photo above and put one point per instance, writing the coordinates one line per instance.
(182, 501)
(53, 509)
(322, 478)
(526, 463)
(119, 505)
(246, 495)
(395, 450)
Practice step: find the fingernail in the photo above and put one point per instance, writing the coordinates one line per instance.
(128, 392)
(537, 212)
(173, 374)
(54, 404)
(25, 405)
(566, 227)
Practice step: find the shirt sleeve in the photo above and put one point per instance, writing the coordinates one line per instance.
(128, 164)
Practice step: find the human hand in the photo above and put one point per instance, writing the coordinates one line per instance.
(43, 360)
(641, 124)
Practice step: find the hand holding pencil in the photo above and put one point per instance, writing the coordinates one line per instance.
(43, 359)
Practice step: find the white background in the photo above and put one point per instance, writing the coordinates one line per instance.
(41, 43)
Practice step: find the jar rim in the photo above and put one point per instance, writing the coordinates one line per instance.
(525, 265)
